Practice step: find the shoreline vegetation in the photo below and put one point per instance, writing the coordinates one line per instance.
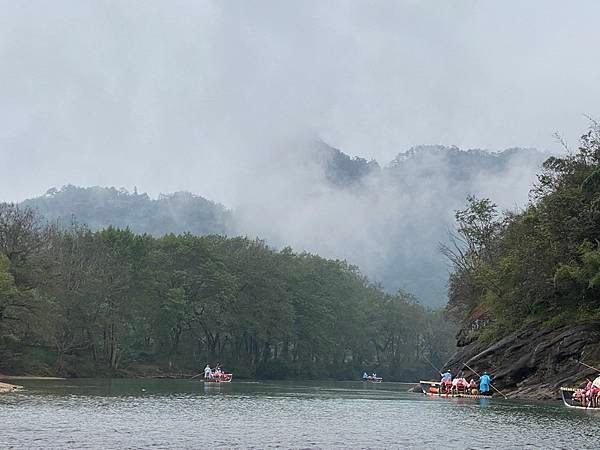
(112, 303)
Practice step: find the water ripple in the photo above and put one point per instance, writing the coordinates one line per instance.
(179, 414)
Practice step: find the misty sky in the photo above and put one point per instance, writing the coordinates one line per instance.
(203, 95)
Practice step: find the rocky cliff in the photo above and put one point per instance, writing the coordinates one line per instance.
(534, 361)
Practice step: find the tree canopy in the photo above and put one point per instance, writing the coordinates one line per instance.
(78, 302)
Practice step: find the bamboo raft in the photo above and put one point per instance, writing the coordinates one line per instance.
(223, 378)
(373, 379)
(431, 394)
(432, 389)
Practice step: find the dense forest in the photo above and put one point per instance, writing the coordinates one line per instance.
(77, 302)
(542, 263)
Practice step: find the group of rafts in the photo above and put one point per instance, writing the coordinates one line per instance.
(586, 396)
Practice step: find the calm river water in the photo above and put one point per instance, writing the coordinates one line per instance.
(186, 414)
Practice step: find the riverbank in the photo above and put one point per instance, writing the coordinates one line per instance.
(28, 377)
(7, 387)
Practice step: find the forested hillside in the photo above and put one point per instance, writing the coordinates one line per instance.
(340, 169)
(526, 286)
(99, 207)
(80, 303)
(388, 221)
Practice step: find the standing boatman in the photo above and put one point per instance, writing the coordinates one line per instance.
(207, 372)
(446, 382)
(484, 384)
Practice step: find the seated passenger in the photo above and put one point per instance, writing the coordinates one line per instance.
(578, 396)
(455, 387)
(592, 393)
(596, 392)
(473, 387)
(462, 384)
(587, 387)
(459, 384)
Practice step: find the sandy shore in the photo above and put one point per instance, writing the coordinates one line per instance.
(28, 377)
(6, 387)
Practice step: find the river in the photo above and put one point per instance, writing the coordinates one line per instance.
(93, 413)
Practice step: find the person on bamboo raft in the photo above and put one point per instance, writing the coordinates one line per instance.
(484, 384)
(462, 384)
(596, 388)
(579, 395)
(207, 372)
(473, 387)
(446, 382)
(588, 394)
(591, 393)
(459, 384)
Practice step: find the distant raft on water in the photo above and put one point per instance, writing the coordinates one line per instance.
(371, 379)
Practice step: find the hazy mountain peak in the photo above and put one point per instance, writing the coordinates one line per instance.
(99, 207)
(341, 169)
(449, 152)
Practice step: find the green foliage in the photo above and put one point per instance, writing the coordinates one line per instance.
(9, 311)
(543, 262)
(112, 302)
(477, 222)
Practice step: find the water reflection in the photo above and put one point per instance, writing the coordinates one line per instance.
(214, 388)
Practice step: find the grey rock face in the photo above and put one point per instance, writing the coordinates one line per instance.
(534, 361)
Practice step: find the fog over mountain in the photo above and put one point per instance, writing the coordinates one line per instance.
(388, 220)
(225, 99)
(199, 96)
